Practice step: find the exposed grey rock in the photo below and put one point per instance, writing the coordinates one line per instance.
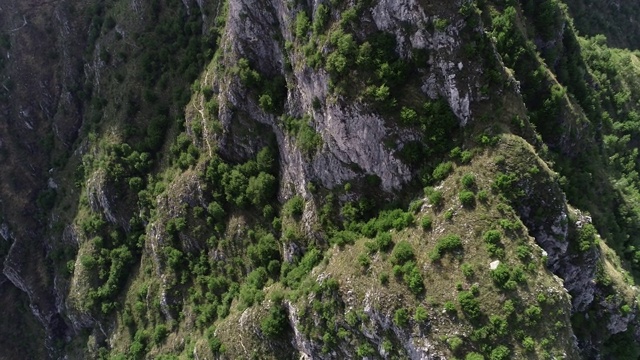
(353, 136)
(99, 198)
(4, 232)
(417, 347)
(306, 348)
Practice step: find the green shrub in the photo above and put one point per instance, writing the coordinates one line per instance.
(518, 275)
(436, 199)
(505, 183)
(449, 243)
(495, 251)
(88, 261)
(533, 313)
(421, 314)
(306, 136)
(349, 212)
(365, 350)
(248, 76)
(474, 356)
(348, 16)
(343, 237)
(261, 188)
(351, 318)
(401, 317)
(174, 257)
(500, 275)
(442, 171)
(468, 181)
(448, 215)
(137, 349)
(383, 241)
(529, 344)
(320, 19)
(467, 199)
(276, 223)
(499, 325)
(586, 237)
(371, 247)
(450, 307)
(508, 307)
(415, 206)
(397, 270)
(302, 24)
(159, 334)
(500, 353)
(294, 275)
(386, 220)
(403, 220)
(413, 279)
(491, 237)
(274, 324)
(408, 116)
(475, 289)
(294, 206)
(483, 196)
(308, 139)
(250, 295)
(387, 345)
(266, 250)
(509, 225)
(136, 183)
(402, 252)
(455, 153)
(440, 24)
(523, 252)
(235, 186)
(467, 270)
(469, 304)
(426, 223)
(268, 212)
(336, 63)
(364, 261)
(455, 343)
(466, 156)
(215, 345)
(266, 103)
(212, 107)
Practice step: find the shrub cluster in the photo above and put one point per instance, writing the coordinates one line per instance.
(403, 259)
(506, 278)
(446, 244)
(492, 243)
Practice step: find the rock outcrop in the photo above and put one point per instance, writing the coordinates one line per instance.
(145, 241)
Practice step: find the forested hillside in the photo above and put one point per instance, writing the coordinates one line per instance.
(363, 179)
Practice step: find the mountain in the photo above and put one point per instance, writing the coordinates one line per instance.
(318, 180)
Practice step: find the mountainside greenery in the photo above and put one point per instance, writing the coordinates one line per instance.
(176, 231)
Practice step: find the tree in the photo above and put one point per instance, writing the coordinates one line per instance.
(273, 325)
(261, 188)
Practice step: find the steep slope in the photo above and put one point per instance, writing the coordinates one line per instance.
(617, 20)
(276, 179)
(37, 110)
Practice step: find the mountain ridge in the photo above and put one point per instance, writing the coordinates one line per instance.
(367, 179)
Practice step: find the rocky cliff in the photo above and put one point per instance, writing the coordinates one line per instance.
(270, 179)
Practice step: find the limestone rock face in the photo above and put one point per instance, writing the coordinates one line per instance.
(35, 104)
(60, 66)
(352, 133)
